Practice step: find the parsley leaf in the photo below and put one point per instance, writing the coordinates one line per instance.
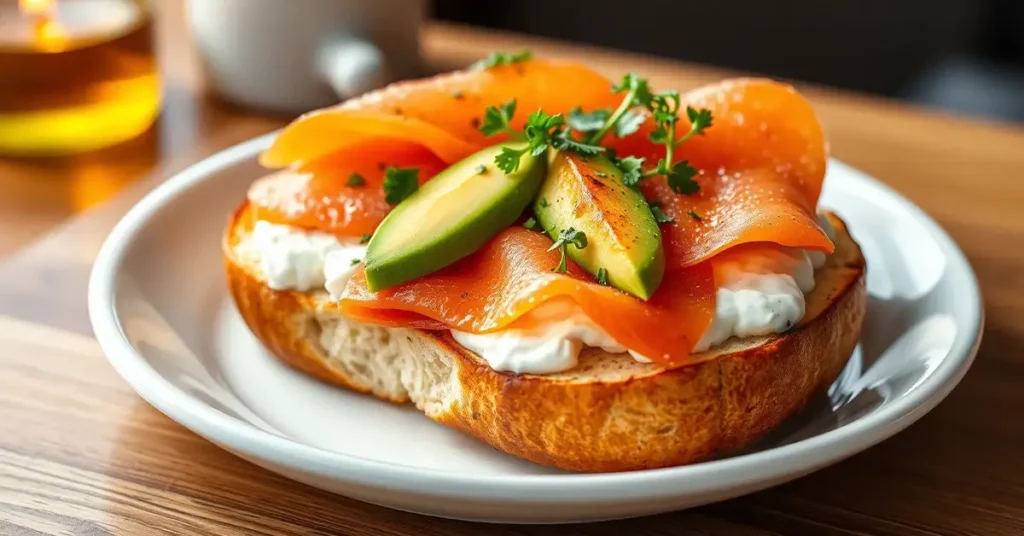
(365, 238)
(587, 122)
(356, 179)
(567, 237)
(629, 123)
(602, 276)
(501, 58)
(508, 159)
(658, 135)
(540, 123)
(699, 119)
(638, 87)
(680, 178)
(400, 183)
(497, 118)
(632, 170)
(660, 216)
(694, 215)
(531, 224)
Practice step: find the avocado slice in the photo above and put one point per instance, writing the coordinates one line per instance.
(451, 216)
(587, 193)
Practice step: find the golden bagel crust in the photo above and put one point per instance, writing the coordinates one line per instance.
(610, 413)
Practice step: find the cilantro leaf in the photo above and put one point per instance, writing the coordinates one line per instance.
(531, 224)
(567, 237)
(699, 119)
(400, 183)
(629, 123)
(540, 123)
(660, 216)
(354, 262)
(694, 215)
(632, 170)
(602, 276)
(497, 118)
(508, 159)
(658, 135)
(501, 58)
(588, 122)
(638, 86)
(356, 179)
(680, 178)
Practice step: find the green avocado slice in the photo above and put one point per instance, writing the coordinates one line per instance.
(451, 216)
(587, 194)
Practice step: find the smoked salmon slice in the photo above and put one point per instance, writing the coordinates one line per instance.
(499, 285)
(442, 113)
(322, 195)
(761, 166)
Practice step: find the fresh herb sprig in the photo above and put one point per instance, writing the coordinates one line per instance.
(625, 120)
(541, 131)
(567, 237)
(501, 58)
(665, 109)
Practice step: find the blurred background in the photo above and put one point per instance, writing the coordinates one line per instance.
(96, 95)
(962, 55)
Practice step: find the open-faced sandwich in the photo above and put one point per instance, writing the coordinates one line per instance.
(591, 275)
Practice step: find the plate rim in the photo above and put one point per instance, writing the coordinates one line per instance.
(241, 438)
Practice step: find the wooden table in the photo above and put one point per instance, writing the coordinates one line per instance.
(81, 454)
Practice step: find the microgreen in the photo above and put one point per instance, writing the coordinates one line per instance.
(567, 237)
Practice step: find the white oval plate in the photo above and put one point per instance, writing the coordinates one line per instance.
(159, 307)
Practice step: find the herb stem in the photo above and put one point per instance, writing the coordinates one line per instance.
(694, 129)
(627, 103)
(517, 136)
(670, 145)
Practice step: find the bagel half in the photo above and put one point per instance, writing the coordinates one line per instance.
(610, 413)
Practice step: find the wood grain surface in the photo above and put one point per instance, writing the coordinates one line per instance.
(81, 454)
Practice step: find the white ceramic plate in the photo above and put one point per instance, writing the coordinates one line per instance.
(160, 310)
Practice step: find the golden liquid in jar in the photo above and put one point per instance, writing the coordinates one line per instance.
(69, 95)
